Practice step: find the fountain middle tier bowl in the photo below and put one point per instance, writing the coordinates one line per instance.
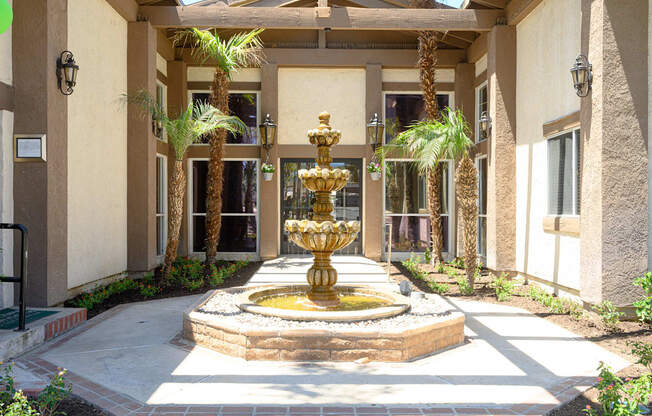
(357, 303)
(322, 236)
(325, 180)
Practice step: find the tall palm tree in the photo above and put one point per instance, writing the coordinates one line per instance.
(427, 62)
(238, 51)
(188, 128)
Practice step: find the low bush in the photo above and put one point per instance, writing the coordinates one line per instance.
(451, 272)
(413, 266)
(439, 288)
(609, 314)
(643, 351)
(439, 268)
(464, 286)
(554, 303)
(14, 403)
(644, 306)
(618, 397)
(503, 286)
(427, 257)
(457, 262)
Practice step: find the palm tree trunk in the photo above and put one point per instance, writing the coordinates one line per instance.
(434, 207)
(175, 213)
(215, 181)
(467, 197)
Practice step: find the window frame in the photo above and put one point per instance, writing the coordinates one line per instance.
(478, 112)
(575, 133)
(258, 114)
(223, 255)
(164, 202)
(164, 105)
(483, 258)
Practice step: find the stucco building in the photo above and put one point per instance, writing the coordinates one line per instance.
(564, 182)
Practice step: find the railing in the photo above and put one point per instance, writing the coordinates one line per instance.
(22, 309)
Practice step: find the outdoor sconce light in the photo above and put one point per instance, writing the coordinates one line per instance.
(267, 133)
(67, 72)
(375, 129)
(485, 123)
(582, 73)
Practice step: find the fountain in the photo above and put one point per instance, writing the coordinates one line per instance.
(348, 322)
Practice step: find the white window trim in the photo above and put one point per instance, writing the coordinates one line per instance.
(483, 259)
(477, 110)
(258, 113)
(164, 214)
(403, 255)
(164, 136)
(576, 136)
(222, 255)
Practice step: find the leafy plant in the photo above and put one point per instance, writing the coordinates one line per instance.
(440, 288)
(642, 350)
(619, 397)
(18, 406)
(457, 262)
(148, 291)
(14, 403)
(451, 272)
(267, 168)
(608, 313)
(439, 268)
(427, 257)
(464, 286)
(373, 167)
(555, 304)
(503, 286)
(644, 306)
(50, 398)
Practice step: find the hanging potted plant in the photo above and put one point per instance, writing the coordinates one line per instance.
(374, 170)
(268, 171)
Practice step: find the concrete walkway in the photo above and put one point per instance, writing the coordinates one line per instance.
(129, 360)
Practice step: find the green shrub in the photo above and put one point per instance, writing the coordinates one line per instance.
(619, 397)
(439, 268)
(427, 256)
(554, 303)
(503, 286)
(148, 291)
(458, 262)
(412, 265)
(608, 313)
(18, 406)
(439, 288)
(642, 350)
(451, 272)
(464, 286)
(644, 306)
(14, 403)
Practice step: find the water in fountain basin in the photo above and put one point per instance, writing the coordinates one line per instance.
(299, 301)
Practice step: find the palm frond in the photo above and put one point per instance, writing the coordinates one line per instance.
(147, 102)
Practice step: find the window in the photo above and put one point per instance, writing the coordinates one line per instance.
(239, 230)
(482, 105)
(482, 207)
(406, 206)
(157, 128)
(161, 204)
(241, 104)
(401, 110)
(564, 173)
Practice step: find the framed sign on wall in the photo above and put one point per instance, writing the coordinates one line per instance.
(30, 148)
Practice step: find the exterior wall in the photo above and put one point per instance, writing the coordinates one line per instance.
(548, 40)
(6, 167)
(97, 143)
(340, 91)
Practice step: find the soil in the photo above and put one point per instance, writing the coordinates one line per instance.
(73, 406)
(589, 326)
(240, 278)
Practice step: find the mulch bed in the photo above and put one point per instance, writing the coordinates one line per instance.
(590, 327)
(240, 278)
(73, 406)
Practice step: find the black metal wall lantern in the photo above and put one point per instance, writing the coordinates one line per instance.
(267, 133)
(375, 129)
(67, 72)
(582, 73)
(485, 123)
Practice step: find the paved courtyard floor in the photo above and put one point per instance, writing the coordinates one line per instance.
(130, 360)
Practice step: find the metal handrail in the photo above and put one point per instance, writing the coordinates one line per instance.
(21, 280)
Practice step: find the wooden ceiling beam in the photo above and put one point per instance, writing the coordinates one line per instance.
(477, 49)
(516, 10)
(496, 4)
(345, 18)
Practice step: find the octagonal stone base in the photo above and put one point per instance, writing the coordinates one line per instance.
(336, 344)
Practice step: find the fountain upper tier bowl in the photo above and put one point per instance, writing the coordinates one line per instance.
(322, 236)
(324, 180)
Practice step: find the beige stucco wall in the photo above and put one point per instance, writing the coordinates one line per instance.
(412, 75)
(305, 92)
(205, 73)
(97, 143)
(548, 40)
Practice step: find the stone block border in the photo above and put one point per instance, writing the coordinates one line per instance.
(281, 344)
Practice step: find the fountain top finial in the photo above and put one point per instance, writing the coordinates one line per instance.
(325, 118)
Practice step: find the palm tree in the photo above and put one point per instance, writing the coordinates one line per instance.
(238, 51)
(188, 128)
(427, 62)
(431, 142)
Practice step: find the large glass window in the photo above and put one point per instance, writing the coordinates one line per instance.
(157, 128)
(401, 110)
(161, 204)
(239, 231)
(406, 206)
(564, 173)
(482, 105)
(241, 104)
(482, 208)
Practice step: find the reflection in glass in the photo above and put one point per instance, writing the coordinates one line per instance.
(401, 110)
(243, 105)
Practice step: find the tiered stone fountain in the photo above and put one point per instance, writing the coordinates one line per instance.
(348, 321)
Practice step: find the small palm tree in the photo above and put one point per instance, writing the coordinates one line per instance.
(194, 122)
(238, 51)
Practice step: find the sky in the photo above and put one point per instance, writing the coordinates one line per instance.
(454, 3)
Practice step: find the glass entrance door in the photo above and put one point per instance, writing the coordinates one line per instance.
(296, 201)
